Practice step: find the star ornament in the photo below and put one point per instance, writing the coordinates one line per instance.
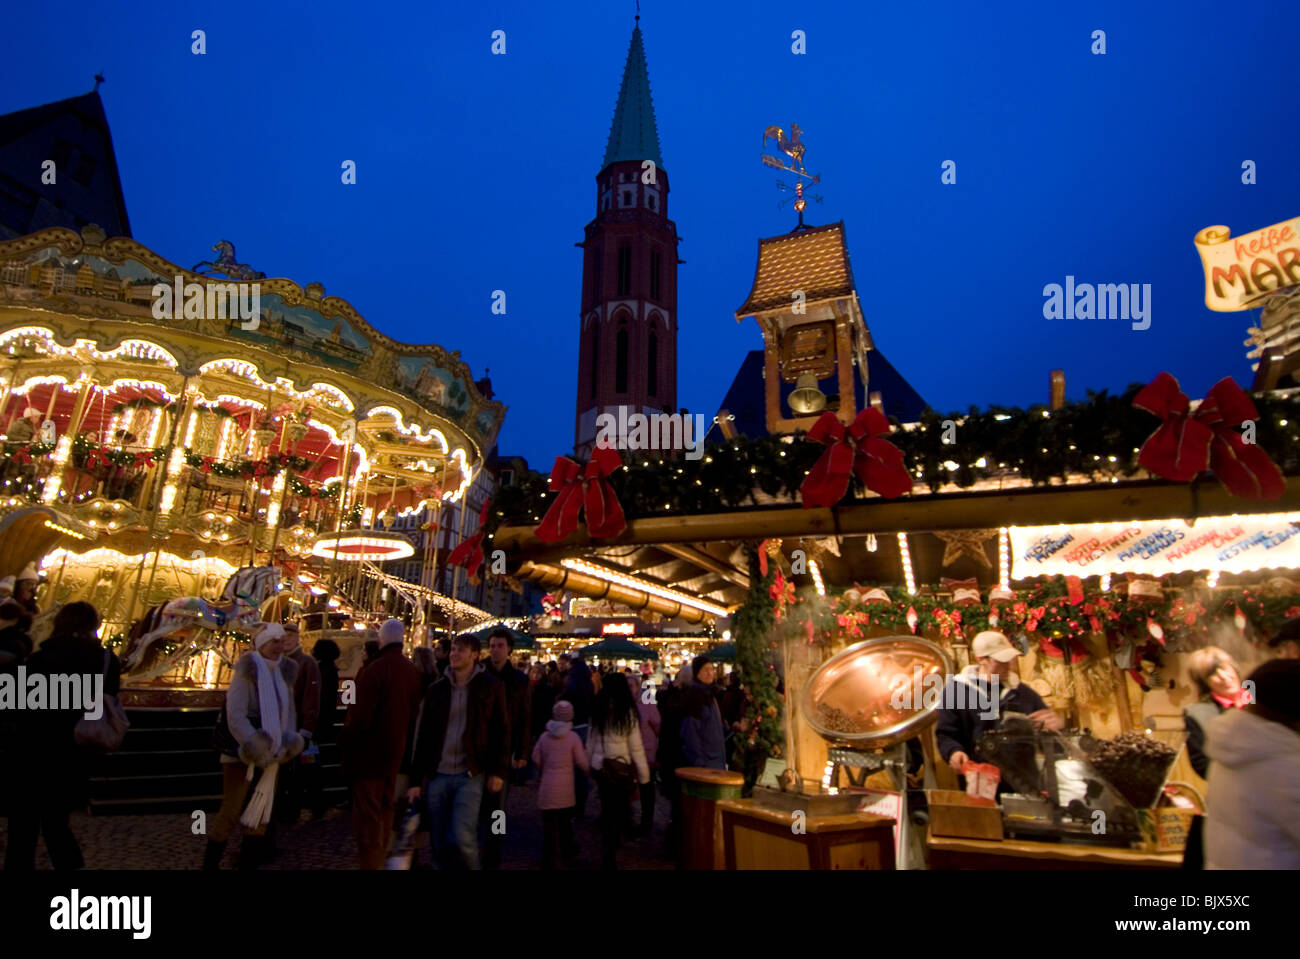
(966, 542)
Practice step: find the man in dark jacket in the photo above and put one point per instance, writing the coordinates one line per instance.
(461, 746)
(967, 713)
(501, 643)
(702, 732)
(375, 737)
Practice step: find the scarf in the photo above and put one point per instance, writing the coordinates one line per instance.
(272, 695)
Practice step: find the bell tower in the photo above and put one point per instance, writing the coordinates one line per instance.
(627, 353)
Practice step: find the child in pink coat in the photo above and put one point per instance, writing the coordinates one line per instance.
(558, 751)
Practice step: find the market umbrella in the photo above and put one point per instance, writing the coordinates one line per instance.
(723, 653)
(522, 640)
(618, 647)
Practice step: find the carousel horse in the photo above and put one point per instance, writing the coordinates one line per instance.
(226, 264)
(244, 594)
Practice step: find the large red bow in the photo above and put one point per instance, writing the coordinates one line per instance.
(469, 553)
(1185, 444)
(582, 487)
(856, 449)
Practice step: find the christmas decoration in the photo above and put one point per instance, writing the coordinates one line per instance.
(965, 542)
(1186, 444)
(965, 592)
(753, 626)
(583, 488)
(469, 553)
(854, 451)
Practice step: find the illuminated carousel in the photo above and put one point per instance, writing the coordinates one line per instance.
(195, 475)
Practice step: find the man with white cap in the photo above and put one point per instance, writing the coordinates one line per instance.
(965, 714)
(374, 740)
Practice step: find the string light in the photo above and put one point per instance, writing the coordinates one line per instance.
(1004, 558)
(609, 576)
(817, 577)
(1213, 579)
(906, 555)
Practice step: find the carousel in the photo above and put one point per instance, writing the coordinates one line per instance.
(196, 455)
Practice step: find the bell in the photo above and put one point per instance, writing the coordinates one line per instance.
(806, 397)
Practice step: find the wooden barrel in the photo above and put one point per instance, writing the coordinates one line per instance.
(702, 788)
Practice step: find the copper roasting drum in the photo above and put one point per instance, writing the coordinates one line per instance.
(848, 699)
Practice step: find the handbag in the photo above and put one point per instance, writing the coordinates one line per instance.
(620, 773)
(108, 731)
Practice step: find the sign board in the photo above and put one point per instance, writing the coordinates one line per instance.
(1229, 544)
(1240, 271)
(618, 629)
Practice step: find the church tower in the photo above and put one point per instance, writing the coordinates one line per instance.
(627, 354)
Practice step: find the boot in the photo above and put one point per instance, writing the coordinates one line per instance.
(212, 855)
(251, 850)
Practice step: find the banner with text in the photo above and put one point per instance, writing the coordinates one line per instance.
(1230, 544)
(1240, 271)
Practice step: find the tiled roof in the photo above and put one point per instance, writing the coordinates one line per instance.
(814, 260)
(633, 134)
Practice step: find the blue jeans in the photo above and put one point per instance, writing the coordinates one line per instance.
(454, 802)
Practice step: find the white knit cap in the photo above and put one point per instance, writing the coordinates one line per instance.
(29, 573)
(393, 631)
(7, 585)
(269, 632)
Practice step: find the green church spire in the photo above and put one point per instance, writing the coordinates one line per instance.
(633, 134)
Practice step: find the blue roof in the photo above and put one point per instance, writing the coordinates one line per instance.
(633, 134)
(746, 400)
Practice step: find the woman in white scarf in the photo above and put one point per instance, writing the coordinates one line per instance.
(261, 733)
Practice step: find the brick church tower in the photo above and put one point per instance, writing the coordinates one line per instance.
(627, 354)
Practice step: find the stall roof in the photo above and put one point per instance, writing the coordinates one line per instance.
(703, 556)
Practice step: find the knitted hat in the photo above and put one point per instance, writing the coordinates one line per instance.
(7, 586)
(268, 632)
(391, 632)
(29, 573)
(562, 711)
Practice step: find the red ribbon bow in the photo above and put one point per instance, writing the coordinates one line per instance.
(1185, 443)
(579, 488)
(858, 449)
(22, 454)
(469, 553)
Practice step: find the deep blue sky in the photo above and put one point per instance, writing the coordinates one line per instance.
(475, 172)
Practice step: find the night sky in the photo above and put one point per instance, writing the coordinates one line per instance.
(476, 172)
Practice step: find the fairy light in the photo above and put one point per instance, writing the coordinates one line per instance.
(906, 554)
(277, 488)
(155, 423)
(872, 544)
(1004, 558)
(609, 576)
(817, 577)
(189, 430)
(1213, 579)
(61, 453)
(1105, 582)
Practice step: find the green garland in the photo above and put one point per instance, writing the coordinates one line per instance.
(754, 628)
(1098, 437)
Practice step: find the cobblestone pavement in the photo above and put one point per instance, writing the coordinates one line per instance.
(156, 842)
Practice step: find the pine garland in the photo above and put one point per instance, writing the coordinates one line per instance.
(756, 644)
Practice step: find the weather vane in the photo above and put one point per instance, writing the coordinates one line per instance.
(794, 149)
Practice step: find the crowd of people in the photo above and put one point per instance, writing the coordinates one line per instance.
(451, 730)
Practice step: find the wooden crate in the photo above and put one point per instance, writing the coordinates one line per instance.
(955, 814)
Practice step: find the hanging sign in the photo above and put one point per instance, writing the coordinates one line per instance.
(1229, 544)
(1239, 271)
(618, 629)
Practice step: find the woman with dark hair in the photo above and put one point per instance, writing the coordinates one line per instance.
(543, 699)
(1218, 680)
(579, 692)
(49, 770)
(424, 659)
(618, 762)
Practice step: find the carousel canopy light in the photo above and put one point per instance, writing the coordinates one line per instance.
(368, 545)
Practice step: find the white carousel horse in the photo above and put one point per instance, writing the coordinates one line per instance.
(245, 592)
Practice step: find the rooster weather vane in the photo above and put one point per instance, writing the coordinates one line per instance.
(794, 148)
